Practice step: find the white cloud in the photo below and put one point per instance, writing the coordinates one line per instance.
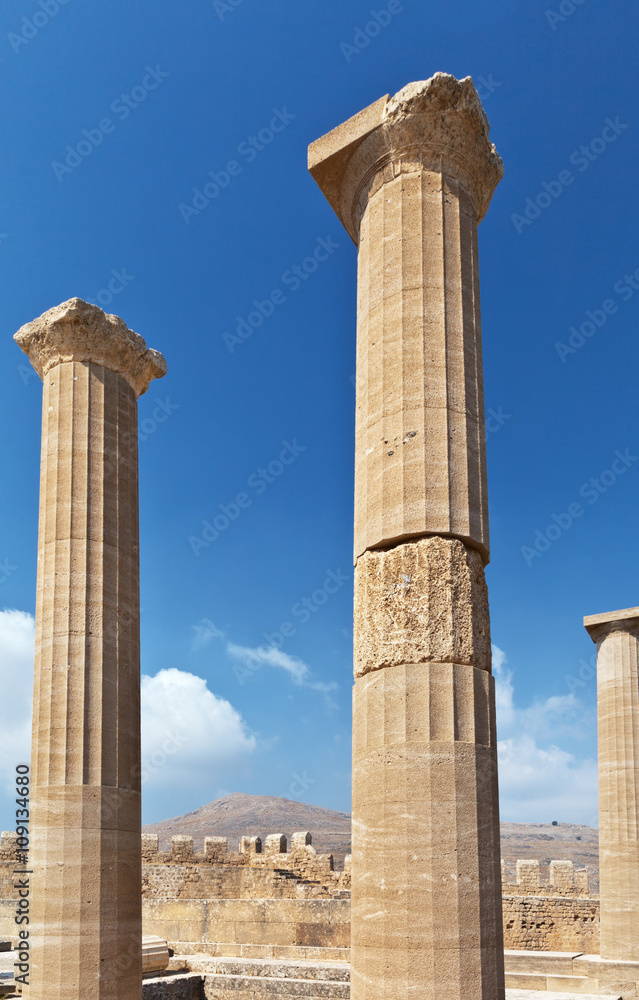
(539, 780)
(250, 659)
(188, 733)
(192, 741)
(204, 632)
(17, 637)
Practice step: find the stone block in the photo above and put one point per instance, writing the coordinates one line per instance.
(562, 874)
(275, 843)
(421, 602)
(150, 846)
(582, 881)
(528, 874)
(181, 848)
(299, 841)
(541, 963)
(215, 846)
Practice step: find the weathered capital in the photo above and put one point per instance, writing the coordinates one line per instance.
(437, 124)
(599, 626)
(78, 331)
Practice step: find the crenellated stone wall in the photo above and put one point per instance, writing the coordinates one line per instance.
(266, 900)
(256, 871)
(563, 879)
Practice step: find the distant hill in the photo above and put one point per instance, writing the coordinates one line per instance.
(545, 842)
(239, 815)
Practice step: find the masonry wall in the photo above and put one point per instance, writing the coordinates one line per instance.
(546, 923)
(251, 928)
(268, 901)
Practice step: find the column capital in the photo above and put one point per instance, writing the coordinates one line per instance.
(599, 626)
(437, 124)
(78, 331)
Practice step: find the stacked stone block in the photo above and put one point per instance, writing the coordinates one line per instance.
(85, 794)
(410, 177)
(616, 635)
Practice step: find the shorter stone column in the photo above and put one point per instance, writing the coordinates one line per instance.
(617, 637)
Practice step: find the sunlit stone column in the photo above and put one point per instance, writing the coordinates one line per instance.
(617, 638)
(86, 844)
(410, 177)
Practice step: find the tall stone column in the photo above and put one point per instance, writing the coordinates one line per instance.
(410, 177)
(86, 929)
(617, 638)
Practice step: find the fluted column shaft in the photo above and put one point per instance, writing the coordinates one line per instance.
(410, 177)
(86, 929)
(420, 464)
(618, 724)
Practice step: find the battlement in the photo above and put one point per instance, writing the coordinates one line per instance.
(252, 852)
(563, 879)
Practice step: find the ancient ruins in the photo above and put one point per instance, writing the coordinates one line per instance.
(424, 910)
(85, 777)
(410, 178)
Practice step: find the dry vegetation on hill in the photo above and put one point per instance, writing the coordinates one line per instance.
(238, 815)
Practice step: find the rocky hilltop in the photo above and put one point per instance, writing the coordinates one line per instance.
(239, 815)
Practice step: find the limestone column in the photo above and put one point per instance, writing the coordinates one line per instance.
(617, 638)
(410, 177)
(86, 930)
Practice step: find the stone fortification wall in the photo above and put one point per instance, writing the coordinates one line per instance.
(256, 871)
(266, 900)
(563, 880)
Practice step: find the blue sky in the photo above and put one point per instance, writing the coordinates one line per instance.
(165, 98)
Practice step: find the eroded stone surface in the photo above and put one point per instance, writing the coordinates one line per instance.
(78, 331)
(430, 121)
(423, 601)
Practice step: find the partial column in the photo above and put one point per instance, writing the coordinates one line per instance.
(617, 637)
(86, 928)
(410, 177)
